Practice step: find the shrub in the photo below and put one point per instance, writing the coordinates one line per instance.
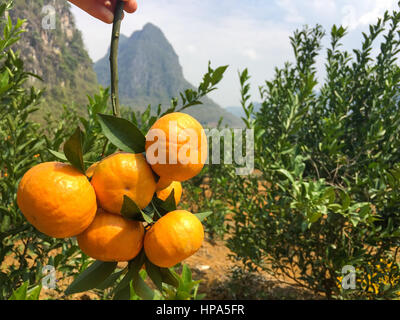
(329, 157)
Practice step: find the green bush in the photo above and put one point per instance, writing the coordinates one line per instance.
(329, 157)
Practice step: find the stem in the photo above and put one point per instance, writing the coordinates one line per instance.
(154, 207)
(119, 9)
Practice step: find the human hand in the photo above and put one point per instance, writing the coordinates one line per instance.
(104, 9)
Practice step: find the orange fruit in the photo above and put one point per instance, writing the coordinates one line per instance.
(90, 170)
(173, 238)
(176, 147)
(123, 174)
(163, 183)
(57, 199)
(111, 237)
(164, 193)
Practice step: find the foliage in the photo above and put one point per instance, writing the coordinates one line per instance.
(127, 136)
(23, 293)
(83, 140)
(21, 147)
(329, 159)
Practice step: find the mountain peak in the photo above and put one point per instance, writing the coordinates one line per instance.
(151, 27)
(150, 73)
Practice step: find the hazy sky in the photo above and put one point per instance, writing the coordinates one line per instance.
(252, 33)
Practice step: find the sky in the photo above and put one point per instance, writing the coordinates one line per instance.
(251, 34)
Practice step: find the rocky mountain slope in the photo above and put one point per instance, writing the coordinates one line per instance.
(57, 54)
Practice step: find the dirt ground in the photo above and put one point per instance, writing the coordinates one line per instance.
(212, 265)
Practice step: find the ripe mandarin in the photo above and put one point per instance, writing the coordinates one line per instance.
(90, 170)
(57, 199)
(164, 193)
(176, 147)
(111, 237)
(123, 174)
(173, 238)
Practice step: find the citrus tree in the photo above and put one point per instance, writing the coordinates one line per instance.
(328, 153)
(104, 190)
(23, 146)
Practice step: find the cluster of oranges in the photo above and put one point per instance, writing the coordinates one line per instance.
(62, 202)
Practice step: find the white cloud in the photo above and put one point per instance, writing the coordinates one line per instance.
(251, 53)
(292, 14)
(358, 14)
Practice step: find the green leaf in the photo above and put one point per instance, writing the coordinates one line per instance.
(122, 133)
(91, 277)
(218, 74)
(58, 155)
(34, 293)
(137, 263)
(169, 276)
(203, 215)
(120, 289)
(141, 288)
(147, 218)
(124, 293)
(169, 204)
(110, 281)
(165, 206)
(134, 267)
(20, 293)
(130, 210)
(154, 273)
(73, 150)
(186, 274)
(287, 174)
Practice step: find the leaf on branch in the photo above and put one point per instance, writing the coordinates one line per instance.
(203, 215)
(167, 205)
(170, 277)
(141, 288)
(130, 210)
(154, 273)
(91, 277)
(218, 74)
(110, 281)
(122, 133)
(58, 155)
(73, 150)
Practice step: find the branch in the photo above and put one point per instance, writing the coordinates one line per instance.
(119, 9)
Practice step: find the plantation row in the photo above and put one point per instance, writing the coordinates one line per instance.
(324, 194)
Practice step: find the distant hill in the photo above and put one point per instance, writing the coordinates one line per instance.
(57, 55)
(150, 73)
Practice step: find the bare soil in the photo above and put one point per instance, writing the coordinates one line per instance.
(219, 280)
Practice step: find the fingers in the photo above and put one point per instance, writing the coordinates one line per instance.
(130, 6)
(95, 8)
(104, 9)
